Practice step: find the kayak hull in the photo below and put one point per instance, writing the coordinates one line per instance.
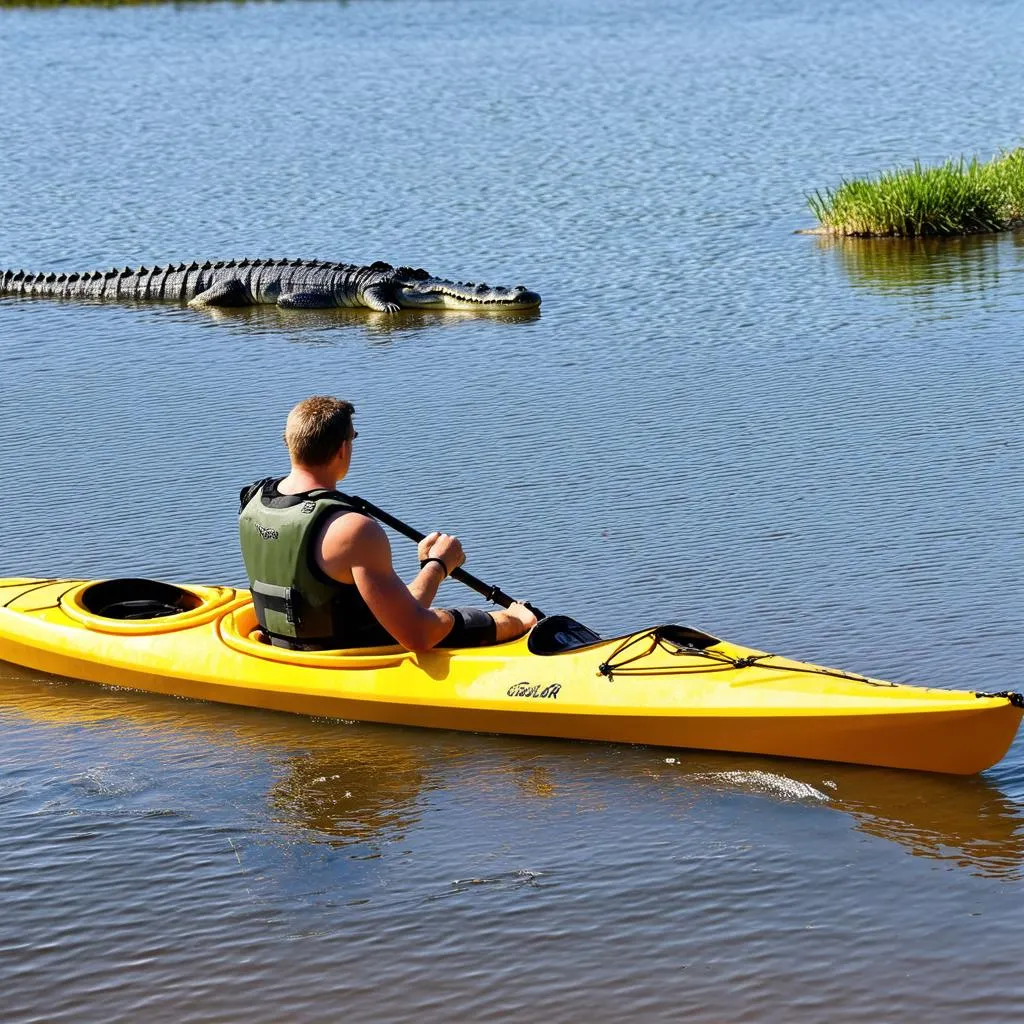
(707, 699)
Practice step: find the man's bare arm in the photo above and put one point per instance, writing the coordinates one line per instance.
(356, 546)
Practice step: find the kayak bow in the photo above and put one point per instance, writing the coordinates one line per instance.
(666, 686)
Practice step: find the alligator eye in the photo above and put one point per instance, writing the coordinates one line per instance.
(520, 287)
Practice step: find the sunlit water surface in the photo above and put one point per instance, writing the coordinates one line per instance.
(807, 446)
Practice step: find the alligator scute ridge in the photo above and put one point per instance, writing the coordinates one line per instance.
(289, 283)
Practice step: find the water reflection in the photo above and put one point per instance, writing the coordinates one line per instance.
(359, 793)
(347, 784)
(308, 326)
(319, 326)
(973, 263)
(965, 820)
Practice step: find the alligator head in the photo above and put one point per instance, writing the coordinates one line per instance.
(416, 289)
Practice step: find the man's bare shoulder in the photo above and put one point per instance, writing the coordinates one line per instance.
(353, 524)
(352, 538)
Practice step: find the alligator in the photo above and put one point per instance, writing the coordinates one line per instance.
(292, 284)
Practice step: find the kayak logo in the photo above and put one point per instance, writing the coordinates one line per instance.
(534, 690)
(266, 533)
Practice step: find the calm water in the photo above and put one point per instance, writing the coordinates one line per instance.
(811, 447)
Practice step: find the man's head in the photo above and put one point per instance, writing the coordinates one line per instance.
(317, 428)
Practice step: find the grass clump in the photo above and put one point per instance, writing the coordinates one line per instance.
(958, 198)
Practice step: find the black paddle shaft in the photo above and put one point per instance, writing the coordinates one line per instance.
(494, 594)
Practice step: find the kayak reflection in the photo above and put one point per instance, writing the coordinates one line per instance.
(348, 783)
(359, 791)
(966, 820)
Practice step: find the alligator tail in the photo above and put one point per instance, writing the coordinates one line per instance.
(91, 284)
(175, 282)
(183, 281)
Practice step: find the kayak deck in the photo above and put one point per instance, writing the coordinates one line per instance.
(665, 686)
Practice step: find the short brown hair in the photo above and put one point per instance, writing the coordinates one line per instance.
(316, 428)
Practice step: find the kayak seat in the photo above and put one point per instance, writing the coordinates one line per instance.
(137, 599)
(555, 634)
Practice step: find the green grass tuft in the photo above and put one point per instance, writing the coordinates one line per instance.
(957, 198)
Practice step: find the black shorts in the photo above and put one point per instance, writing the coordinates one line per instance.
(473, 628)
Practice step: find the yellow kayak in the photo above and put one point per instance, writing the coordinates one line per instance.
(669, 685)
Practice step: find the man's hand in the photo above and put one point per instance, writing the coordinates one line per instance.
(443, 546)
(523, 615)
(423, 547)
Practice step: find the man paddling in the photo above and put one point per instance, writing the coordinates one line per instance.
(320, 571)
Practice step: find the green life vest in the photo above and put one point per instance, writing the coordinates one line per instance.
(295, 600)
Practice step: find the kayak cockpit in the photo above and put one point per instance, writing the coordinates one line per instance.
(240, 630)
(131, 599)
(135, 606)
